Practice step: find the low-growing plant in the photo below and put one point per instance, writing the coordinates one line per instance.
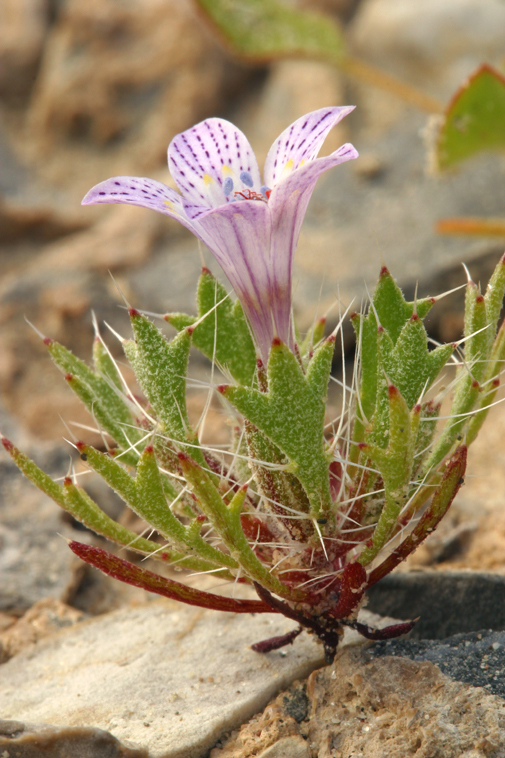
(308, 511)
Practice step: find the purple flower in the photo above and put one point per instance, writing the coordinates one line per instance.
(251, 227)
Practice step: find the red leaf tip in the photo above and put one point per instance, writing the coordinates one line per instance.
(69, 377)
(133, 312)
(67, 481)
(276, 342)
(8, 445)
(80, 445)
(148, 449)
(47, 341)
(222, 388)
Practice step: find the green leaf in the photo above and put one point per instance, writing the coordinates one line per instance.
(379, 331)
(223, 335)
(291, 415)
(104, 364)
(263, 30)
(227, 523)
(102, 399)
(445, 493)
(145, 495)
(161, 368)
(475, 119)
(395, 466)
(410, 366)
(79, 504)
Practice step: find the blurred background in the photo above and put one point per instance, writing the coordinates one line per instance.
(94, 89)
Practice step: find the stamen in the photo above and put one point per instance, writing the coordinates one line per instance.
(228, 186)
(246, 178)
(248, 195)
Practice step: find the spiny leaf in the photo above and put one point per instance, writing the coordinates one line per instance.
(441, 501)
(161, 368)
(226, 519)
(104, 364)
(291, 415)
(474, 120)
(224, 335)
(395, 466)
(100, 397)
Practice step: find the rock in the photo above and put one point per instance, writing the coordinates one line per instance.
(116, 82)
(433, 45)
(189, 674)
(476, 658)
(35, 562)
(288, 747)
(400, 708)
(447, 602)
(377, 706)
(23, 26)
(41, 620)
(35, 223)
(20, 740)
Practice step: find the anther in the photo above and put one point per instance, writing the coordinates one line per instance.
(228, 186)
(246, 178)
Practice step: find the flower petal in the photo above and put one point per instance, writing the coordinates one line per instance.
(288, 203)
(211, 161)
(301, 142)
(240, 241)
(146, 193)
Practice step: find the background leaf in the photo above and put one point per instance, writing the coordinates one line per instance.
(475, 119)
(264, 29)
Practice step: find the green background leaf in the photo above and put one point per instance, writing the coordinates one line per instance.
(475, 119)
(261, 30)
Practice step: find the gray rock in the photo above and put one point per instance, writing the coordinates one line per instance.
(35, 561)
(20, 740)
(169, 678)
(477, 658)
(432, 44)
(447, 602)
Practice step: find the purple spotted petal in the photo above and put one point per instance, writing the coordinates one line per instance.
(252, 239)
(301, 142)
(211, 161)
(241, 243)
(146, 193)
(288, 204)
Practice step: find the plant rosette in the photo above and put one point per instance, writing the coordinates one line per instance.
(308, 512)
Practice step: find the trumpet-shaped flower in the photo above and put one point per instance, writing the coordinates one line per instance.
(251, 227)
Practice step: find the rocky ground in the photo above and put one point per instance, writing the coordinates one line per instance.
(98, 89)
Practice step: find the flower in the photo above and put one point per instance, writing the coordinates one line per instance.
(252, 228)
